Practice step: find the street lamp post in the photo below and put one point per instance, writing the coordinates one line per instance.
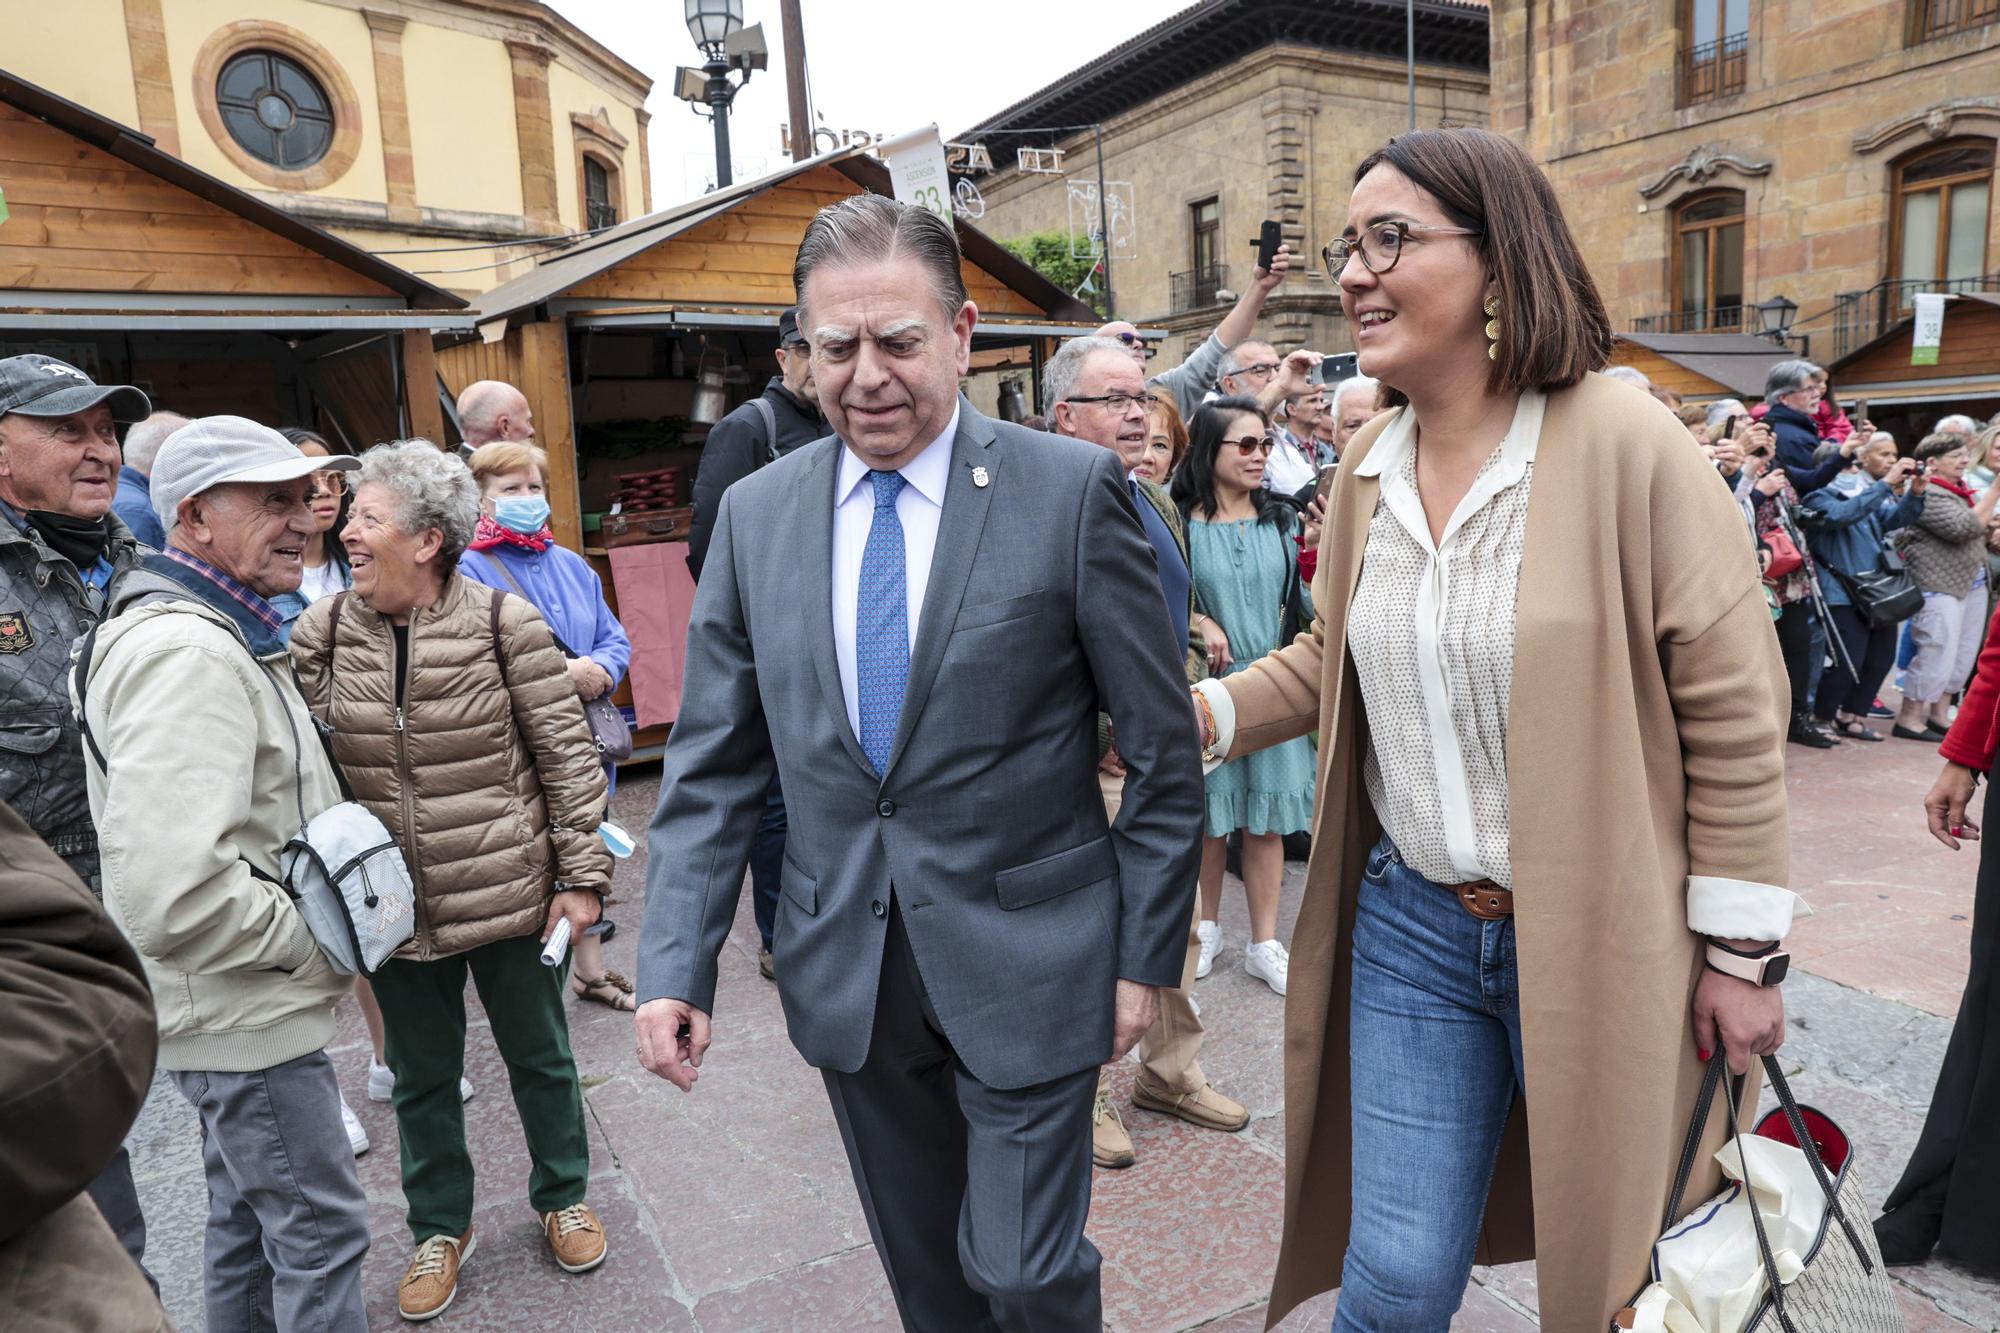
(717, 28)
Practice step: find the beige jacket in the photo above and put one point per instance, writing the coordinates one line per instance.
(211, 760)
(486, 774)
(1645, 744)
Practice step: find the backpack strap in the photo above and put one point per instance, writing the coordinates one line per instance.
(80, 676)
(499, 656)
(765, 411)
(514, 584)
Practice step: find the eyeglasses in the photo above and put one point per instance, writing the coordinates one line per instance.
(333, 482)
(1264, 368)
(1382, 245)
(1118, 402)
(799, 347)
(1251, 444)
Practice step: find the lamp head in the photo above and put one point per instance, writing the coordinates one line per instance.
(711, 22)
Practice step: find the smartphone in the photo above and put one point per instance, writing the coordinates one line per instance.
(1859, 412)
(1336, 367)
(1269, 238)
(1729, 431)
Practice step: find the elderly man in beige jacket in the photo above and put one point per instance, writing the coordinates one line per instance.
(203, 764)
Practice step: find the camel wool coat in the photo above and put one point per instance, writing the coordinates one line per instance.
(1645, 744)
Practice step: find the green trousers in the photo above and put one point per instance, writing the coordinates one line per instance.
(423, 1015)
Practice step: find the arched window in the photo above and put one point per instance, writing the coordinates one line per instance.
(275, 109)
(1708, 261)
(1943, 195)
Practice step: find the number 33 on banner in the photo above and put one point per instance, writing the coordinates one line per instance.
(917, 169)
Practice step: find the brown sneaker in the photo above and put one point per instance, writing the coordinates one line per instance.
(1207, 1108)
(1110, 1145)
(431, 1280)
(576, 1238)
(766, 966)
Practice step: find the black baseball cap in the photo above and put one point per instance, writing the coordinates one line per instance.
(788, 328)
(41, 386)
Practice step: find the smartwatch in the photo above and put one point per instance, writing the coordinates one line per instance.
(1765, 967)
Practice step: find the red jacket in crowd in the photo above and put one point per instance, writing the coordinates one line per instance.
(1976, 730)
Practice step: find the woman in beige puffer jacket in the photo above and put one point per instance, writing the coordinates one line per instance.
(454, 722)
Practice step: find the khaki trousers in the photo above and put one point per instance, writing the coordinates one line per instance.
(1168, 1051)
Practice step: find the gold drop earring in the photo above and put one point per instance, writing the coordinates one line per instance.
(1492, 309)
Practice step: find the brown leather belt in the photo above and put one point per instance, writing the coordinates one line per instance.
(1484, 899)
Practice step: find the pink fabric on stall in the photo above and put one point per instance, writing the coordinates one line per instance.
(655, 598)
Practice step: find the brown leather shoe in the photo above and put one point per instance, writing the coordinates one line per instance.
(431, 1280)
(576, 1238)
(766, 966)
(1110, 1145)
(1207, 1108)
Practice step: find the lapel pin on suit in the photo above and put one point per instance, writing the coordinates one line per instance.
(979, 477)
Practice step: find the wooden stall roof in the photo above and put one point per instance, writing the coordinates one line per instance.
(735, 248)
(1701, 365)
(1968, 364)
(97, 209)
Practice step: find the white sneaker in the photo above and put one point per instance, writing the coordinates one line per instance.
(357, 1133)
(1268, 962)
(382, 1083)
(1210, 933)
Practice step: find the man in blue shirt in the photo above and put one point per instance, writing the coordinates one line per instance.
(134, 502)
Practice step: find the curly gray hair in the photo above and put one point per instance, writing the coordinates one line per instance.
(433, 489)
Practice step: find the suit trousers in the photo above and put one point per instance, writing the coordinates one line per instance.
(1169, 1050)
(976, 1196)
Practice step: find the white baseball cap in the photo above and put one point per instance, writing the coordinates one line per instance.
(212, 451)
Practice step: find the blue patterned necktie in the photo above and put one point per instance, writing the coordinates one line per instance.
(882, 625)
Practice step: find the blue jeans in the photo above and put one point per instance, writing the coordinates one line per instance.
(1435, 1050)
(767, 861)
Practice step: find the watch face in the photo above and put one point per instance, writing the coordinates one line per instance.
(1775, 968)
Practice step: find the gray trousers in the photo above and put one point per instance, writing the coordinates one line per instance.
(287, 1222)
(976, 1196)
(118, 1199)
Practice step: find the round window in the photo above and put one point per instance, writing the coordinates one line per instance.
(275, 109)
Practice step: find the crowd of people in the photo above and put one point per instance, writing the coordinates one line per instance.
(986, 767)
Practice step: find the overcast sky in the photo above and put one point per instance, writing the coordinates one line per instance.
(878, 65)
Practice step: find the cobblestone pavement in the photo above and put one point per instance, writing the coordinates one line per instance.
(732, 1209)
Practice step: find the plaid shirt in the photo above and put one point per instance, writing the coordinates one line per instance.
(242, 595)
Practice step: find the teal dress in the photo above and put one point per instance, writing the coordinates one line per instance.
(1240, 573)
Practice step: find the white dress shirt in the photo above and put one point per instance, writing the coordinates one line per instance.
(919, 507)
(1288, 469)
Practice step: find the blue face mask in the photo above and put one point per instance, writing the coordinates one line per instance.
(525, 514)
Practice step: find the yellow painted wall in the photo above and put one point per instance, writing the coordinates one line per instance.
(76, 49)
(461, 93)
(342, 33)
(570, 91)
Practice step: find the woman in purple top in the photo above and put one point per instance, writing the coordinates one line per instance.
(514, 551)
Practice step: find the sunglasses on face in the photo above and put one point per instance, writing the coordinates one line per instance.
(1252, 444)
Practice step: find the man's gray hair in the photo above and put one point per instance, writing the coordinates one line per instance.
(1722, 409)
(1064, 371)
(1957, 424)
(433, 489)
(1233, 359)
(1788, 377)
(1631, 375)
(1354, 384)
(143, 441)
(868, 227)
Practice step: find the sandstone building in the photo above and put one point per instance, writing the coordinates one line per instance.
(1225, 114)
(461, 128)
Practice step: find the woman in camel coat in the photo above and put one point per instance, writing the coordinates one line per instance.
(1559, 677)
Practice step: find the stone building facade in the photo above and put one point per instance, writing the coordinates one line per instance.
(1715, 154)
(1221, 117)
(442, 134)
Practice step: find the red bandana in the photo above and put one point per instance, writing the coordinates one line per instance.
(1963, 492)
(490, 534)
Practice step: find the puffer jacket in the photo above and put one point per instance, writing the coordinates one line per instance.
(1945, 544)
(45, 607)
(486, 774)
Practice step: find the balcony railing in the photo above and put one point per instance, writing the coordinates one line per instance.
(1863, 316)
(1941, 18)
(1197, 287)
(1721, 319)
(599, 213)
(1714, 69)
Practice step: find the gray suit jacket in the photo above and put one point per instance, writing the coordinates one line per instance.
(1022, 905)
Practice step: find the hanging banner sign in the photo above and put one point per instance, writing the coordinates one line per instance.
(3, 205)
(1927, 330)
(917, 169)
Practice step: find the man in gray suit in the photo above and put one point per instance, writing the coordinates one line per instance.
(962, 937)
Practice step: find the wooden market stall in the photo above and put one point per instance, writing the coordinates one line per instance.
(608, 340)
(1907, 399)
(125, 261)
(1702, 367)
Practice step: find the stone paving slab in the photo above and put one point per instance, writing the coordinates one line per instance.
(732, 1209)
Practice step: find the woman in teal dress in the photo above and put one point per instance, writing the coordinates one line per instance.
(1243, 546)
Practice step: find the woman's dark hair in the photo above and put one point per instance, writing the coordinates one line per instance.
(1553, 326)
(330, 539)
(1194, 480)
